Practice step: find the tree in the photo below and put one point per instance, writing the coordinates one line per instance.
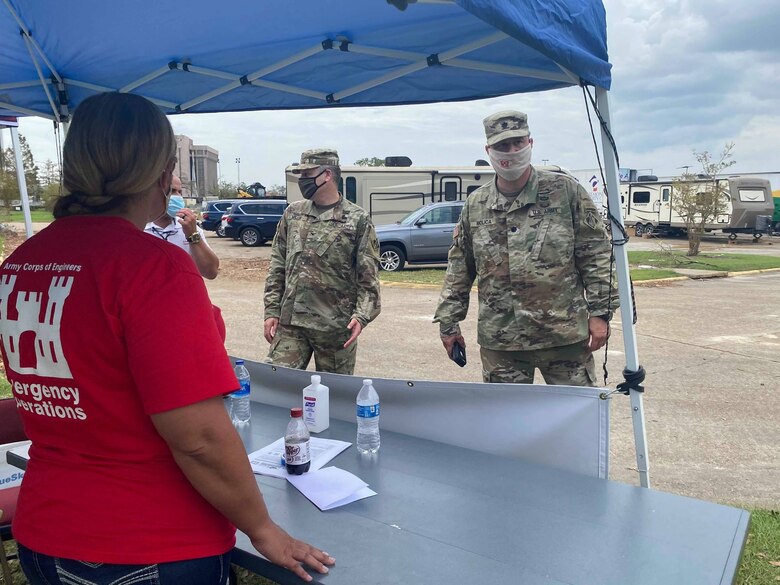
(51, 180)
(370, 162)
(226, 190)
(9, 188)
(277, 191)
(700, 199)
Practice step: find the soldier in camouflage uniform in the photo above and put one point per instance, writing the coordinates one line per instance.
(536, 245)
(322, 287)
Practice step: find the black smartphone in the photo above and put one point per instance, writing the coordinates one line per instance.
(458, 354)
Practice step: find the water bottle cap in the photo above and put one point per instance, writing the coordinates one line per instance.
(239, 362)
(296, 412)
(315, 380)
(367, 382)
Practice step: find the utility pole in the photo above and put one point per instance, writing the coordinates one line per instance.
(238, 169)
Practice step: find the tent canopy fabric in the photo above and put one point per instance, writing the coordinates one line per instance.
(240, 55)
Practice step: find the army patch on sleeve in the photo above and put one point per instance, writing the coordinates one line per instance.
(455, 232)
(592, 219)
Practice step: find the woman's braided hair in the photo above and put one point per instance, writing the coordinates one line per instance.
(117, 147)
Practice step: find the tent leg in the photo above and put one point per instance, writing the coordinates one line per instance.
(21, 181)
(624, 291)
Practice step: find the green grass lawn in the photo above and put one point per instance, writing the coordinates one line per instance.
(654, 265)
(761, 558)
(37, 216)
(707, 261)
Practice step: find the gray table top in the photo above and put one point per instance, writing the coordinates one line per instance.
(445, 514)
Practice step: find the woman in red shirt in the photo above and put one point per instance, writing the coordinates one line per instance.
(136, 473)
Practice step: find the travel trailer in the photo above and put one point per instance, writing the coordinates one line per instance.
(647, 202)
(389, 193)
(648, 206)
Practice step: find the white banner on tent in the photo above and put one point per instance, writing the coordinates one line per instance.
(566, 427)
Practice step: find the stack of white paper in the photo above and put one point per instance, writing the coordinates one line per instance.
(270, 459)
(326, 488)
(331, 487)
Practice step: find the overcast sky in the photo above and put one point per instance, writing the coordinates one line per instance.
(687, 75)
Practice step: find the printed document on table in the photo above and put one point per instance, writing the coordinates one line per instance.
(331, 487)
(268, 460)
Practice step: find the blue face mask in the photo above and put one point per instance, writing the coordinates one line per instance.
(175, 204)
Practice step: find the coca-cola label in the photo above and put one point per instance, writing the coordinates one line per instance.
(296, 453)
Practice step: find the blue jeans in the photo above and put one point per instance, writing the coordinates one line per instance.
(42, 569)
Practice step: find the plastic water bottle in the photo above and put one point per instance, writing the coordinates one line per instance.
(316, 405)
(367, 419)
(240, 411)
(297, 456)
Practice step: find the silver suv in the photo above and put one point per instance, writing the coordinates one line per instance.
(424, 236)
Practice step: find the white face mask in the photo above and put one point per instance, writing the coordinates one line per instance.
(510, 166)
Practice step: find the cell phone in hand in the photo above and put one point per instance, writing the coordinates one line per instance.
(458, 354)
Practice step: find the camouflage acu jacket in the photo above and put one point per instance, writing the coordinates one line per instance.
(541, 263)
(324, 267)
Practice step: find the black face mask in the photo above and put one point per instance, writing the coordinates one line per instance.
(309, 186)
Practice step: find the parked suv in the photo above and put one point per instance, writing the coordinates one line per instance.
(253, 221)
(423, 236)
(211, 215)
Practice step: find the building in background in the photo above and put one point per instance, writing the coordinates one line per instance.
(196, 167)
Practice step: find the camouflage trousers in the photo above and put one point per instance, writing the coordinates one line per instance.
(568, 365)
(294, 346)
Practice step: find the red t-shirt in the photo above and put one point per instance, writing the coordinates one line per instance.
(81, 309)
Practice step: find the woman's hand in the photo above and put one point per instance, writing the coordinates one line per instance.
(282, 549)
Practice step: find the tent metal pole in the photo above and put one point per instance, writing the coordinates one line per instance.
(318, 95)
(28, 37)
(511, 70)
(253, 76)
(565, 77)
(102, 88)
(145, 79)
(624, 290)
(45, 87)
(28, 111)
(21, 181)
(20, 84)
(420, 65)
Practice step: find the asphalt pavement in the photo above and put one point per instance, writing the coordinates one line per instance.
(710, 349)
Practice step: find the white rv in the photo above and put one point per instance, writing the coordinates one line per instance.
(647, 203)
(648, 206)
(390, 193)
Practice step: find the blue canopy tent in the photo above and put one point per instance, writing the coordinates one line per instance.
(238, 55)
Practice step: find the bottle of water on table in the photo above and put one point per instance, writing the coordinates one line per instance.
(367, 419)
(240, 411)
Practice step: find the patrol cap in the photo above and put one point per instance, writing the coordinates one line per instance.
(317, 157)
(506, 124)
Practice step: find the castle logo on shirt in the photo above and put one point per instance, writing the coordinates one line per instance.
(30, 331)
(30, 334)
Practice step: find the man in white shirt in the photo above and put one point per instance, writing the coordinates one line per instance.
(179, 226)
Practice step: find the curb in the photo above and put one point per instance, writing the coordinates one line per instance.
(394, 284)
(758, 271)
(637, 283)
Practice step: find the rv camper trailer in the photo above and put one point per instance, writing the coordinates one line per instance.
(389, 193)
(648, 206)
